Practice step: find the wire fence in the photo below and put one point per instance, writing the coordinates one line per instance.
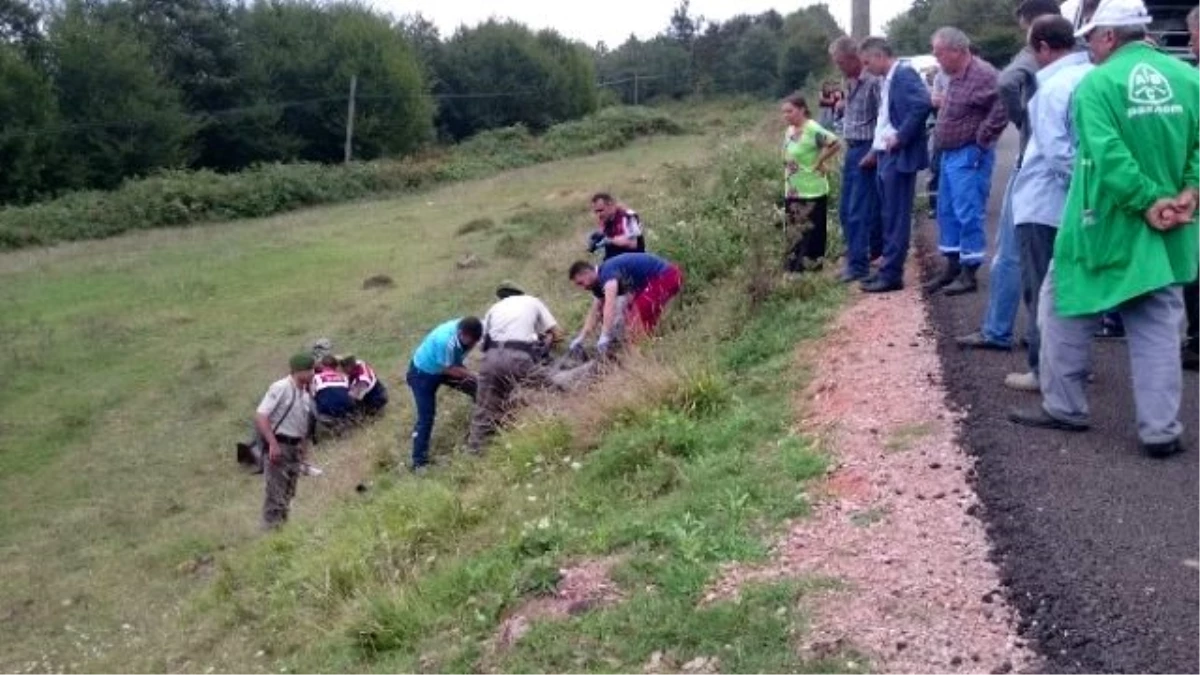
(208, 116)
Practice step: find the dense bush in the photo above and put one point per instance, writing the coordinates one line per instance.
(188, 197)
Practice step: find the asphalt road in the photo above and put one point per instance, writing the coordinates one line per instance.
(1097, 544)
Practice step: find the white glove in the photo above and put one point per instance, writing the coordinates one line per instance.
(576, 344)
(603, 343)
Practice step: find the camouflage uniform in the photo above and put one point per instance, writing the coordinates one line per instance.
(281, 485)
(503, 370)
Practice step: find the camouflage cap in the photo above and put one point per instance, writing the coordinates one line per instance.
(322, 347)
(508, 288)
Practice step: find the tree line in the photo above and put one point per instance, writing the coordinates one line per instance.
(991, 24)
(98, 91)
(767, 54)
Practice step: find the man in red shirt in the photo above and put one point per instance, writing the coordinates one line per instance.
(619, 228)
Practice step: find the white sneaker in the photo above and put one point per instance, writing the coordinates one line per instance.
(310, 470)
(1022, 382)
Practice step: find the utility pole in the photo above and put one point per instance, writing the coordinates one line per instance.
(860, 19)
(350, 117)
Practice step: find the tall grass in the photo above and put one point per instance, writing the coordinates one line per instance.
(175, 198)
(680, 462)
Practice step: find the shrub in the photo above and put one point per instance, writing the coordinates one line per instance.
(179, 198)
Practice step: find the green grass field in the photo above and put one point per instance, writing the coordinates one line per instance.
(129, 539)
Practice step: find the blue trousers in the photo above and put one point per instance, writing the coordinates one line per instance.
(424, 390)
(859, 209)
(963, 186)
(897, 189)
(1004, 282)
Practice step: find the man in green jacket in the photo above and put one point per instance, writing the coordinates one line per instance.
(1129, 236)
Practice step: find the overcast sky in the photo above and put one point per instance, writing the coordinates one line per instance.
(614, 20)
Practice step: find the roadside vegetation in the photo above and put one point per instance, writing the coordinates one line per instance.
(181, 197)
(687, 460)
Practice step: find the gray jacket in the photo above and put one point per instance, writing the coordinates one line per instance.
(1018, 84)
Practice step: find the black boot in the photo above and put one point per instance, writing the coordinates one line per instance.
(948, 275)
(965, 283)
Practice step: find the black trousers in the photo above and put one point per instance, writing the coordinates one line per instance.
(1191, 300)
(811, 216)
(1036, 242)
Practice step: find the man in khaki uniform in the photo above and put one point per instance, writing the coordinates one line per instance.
(283, 419)
(515, 330)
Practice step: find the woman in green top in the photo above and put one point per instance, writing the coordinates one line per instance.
(807, 149)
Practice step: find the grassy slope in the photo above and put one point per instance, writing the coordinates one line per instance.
(141, 356)
(147, 350)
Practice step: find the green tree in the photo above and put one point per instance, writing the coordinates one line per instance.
(27, 145)
(663, 66)
(304, 54)
(123, 117)
(805, 53)
(757, 62)
(500, 74)
(990, 24)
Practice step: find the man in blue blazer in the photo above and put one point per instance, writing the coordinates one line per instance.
(901, 151)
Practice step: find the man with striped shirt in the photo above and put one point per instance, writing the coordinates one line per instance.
(859, 209)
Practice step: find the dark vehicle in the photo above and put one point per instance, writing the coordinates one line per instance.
(1169, 30)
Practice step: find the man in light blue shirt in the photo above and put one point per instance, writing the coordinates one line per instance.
(439, 361)
(1040, 189)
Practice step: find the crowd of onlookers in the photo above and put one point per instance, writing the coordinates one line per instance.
(1098, 219)
(1097, 234)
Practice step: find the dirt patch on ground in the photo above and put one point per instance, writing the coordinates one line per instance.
(581, 588)
(894, 521)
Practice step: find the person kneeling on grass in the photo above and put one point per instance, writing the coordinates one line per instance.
(283, 419)
(367, 390)
(517, 330)
(331, 394)
(650, 282)
(438, 361)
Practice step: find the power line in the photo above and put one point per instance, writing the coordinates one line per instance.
(224, 113)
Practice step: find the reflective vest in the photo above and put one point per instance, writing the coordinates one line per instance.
(328, 379)
(363, 376)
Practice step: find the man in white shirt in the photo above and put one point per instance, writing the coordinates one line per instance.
(515, 331)
(283, 419)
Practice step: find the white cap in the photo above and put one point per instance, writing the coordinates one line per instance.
(1116, 13)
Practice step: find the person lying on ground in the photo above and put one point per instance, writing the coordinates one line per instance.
(516, 330)
(368, 391)
(283, 419)
(650, 282)
(438, 361)
(618, 228)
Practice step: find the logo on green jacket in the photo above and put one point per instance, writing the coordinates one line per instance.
(1147, 86)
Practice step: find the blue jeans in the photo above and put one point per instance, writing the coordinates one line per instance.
(1004, 282)
(424, 390)
(897, 190)
(963, 186)
(859, 209)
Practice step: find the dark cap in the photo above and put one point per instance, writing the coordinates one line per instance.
(301, 361)
(508, 288)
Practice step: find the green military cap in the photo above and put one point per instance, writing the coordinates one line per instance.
(508, 288)
(302, 361)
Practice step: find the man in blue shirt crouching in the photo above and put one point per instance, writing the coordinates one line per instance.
(439, 361)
